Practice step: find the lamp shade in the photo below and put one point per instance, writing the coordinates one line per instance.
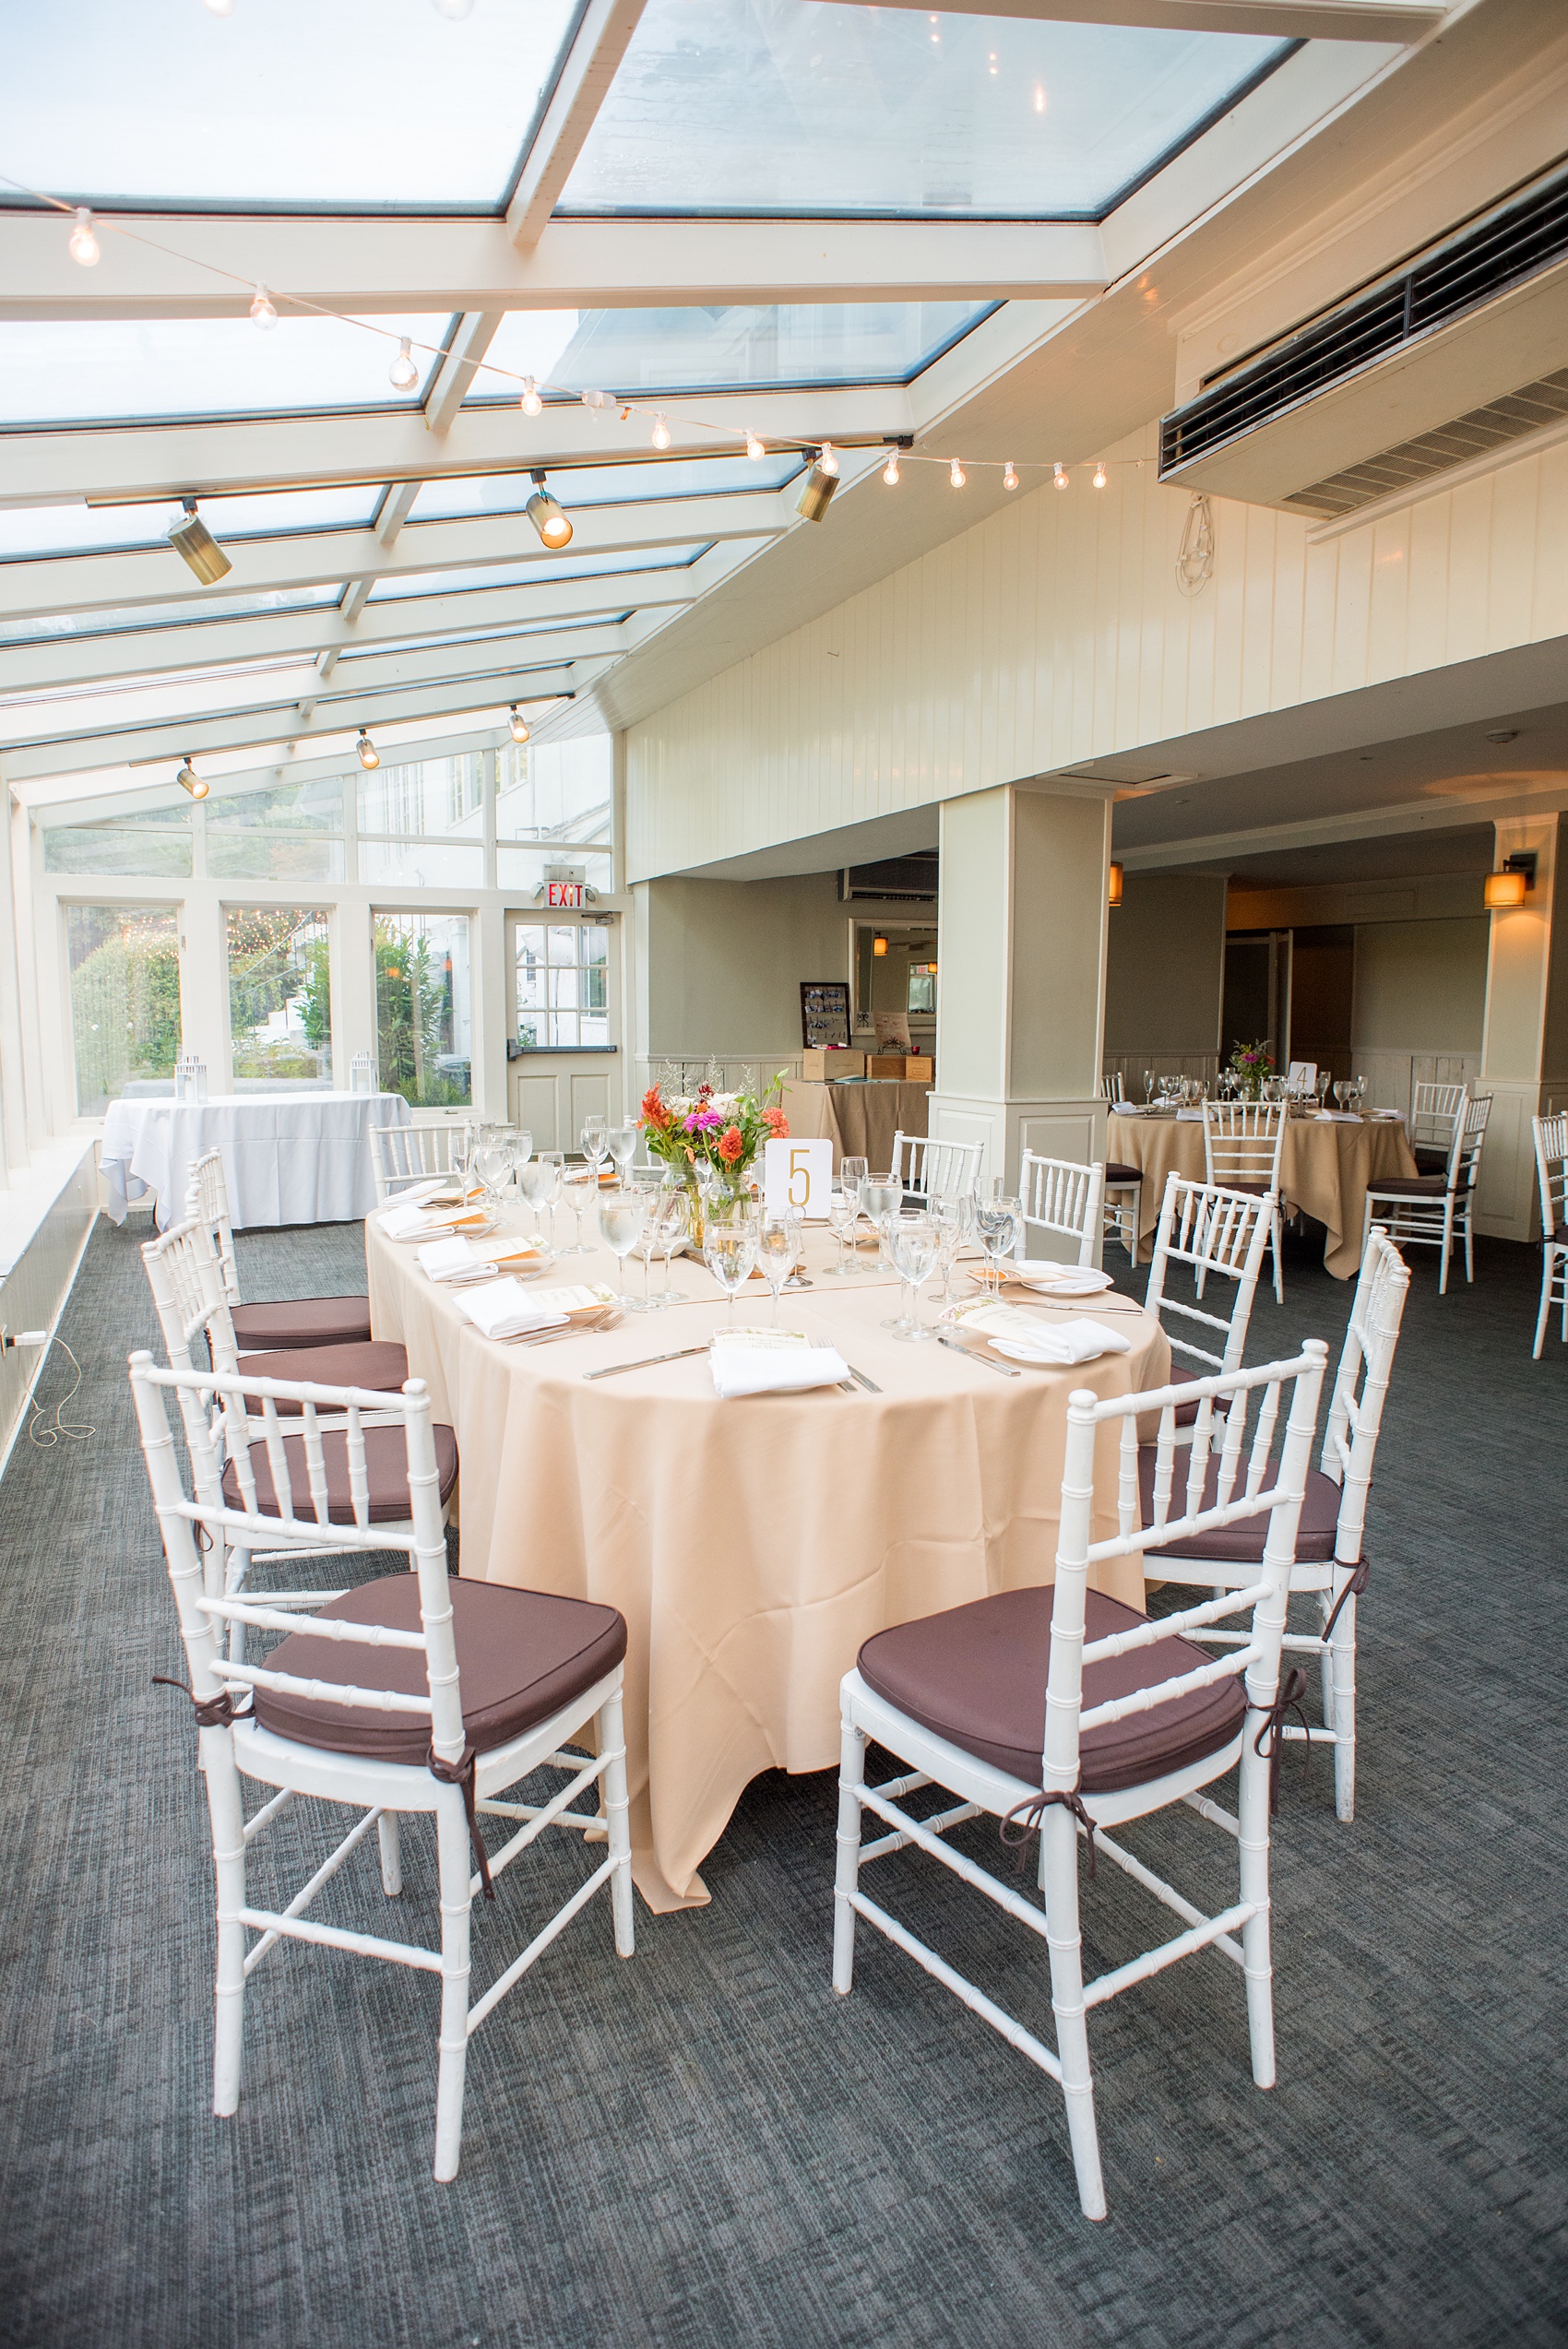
(878, 943)
(1504, 889)
(1113, 889)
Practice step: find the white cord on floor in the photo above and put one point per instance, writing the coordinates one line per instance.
(62, 1428)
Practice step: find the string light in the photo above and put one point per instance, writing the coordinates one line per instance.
(1009, 478)
(519, 724)
(531, 402)
(957, 474)
(369, 754)
(84, 245)
(262, 312)
(827, 462)
(187, 777)
(453, 10)
(219, 8)
(1060, 473)
(545, 513)
(596, 399)
(660, 434)
(890, 471)
(755, 448)
(1100, 477)
(404, 374)
(1040, 98)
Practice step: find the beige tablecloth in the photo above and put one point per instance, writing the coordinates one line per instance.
(751, 1546)
(1324, 1168)
(860, 1119)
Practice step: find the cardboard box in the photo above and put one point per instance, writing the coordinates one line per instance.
(919, 1068)
(885, 1064)
(820, 1064)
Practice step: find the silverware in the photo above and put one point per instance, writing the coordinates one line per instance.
(869, 1385)
(973, 1354)
(612, 1370)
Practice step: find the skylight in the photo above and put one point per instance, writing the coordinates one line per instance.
(602, 485)
(533, 575)
(136, 370)
(731, 347)
(80, 529)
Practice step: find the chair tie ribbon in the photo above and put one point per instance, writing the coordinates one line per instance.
(1030, 1816)
(1352, 1589)
(1292, 1688)
(461, 1773)
(219, 1712)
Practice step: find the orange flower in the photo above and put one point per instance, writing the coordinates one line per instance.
(655, 1114)
(776, 1123)
(731, 1144)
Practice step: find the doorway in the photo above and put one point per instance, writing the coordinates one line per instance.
(563, 1045)
(894, 968)
(1256, 1003)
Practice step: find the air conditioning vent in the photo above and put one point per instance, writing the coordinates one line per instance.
(1529, 410)
(904, 880)
(1473, 267)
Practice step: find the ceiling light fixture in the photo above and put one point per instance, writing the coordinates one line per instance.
(544, 511)
(369, 754)
(1513, 884)
(755, 449)
(816, 491)
(660, 434)
(957, 474)
(1060, 474)
(1114, 888)
(1009, 478)
(190, 537)
(531, 402)
(262, 312)
(890, 471)
(1100, 477)
(189, 780)
(404, 374)
(519, 724)
(879, 943)
(83, 242)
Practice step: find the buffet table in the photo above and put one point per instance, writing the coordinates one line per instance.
(858, 1115)
(1324, 1168)
(288, 1157)
(751, 1545)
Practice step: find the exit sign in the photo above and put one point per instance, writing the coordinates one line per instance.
(565, 893)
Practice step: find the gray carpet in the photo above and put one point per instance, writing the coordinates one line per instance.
(704, 2146)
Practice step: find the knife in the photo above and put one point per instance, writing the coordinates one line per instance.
(974, 1356)
(869, 1385)
(612, 1370)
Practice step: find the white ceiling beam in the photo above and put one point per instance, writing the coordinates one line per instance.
(1379, 20)
(106, 463)
(581, 86)
(64, 662)
(459, 369)
(88, 582)
(365, 267)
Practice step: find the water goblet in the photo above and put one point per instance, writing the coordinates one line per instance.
(555, 1162)
(622, 1143)
(491, 1163)
(915, 1245)
(996, 1223)
(622, 1214)
(952, 1213)
(778, 1234)
(1358, 1092)
(534, 1181)
(673, 1224)
(1341, 1090)
(843, 1215)
(729, 1247)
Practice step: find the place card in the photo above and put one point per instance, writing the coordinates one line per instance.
(797, 1175)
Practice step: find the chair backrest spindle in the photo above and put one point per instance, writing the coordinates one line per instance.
(1064, 1198)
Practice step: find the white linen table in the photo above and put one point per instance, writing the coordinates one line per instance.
(288, 1157)
(751, 1545)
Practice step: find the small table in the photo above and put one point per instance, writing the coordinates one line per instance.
(288, 1157)
(859, 1115)
(1324, 1168)
(751, 1546)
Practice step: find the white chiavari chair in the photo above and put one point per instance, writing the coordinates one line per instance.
(1242, 1141)
(1552, 1172)
(1436, 1113)
(1060, 1711)
(403, 1154)
(1433, 1210)
(281, 1323)
(1063, 1198)
(1330, 1567)
(1111, 1088)
(1221, 1235)
(929, 1169)
(415, 1692)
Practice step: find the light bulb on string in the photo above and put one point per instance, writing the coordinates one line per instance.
(957, 474)
(1040, 98)
(453, 10)
(890, 471)
(1100, 477)
(219, 8)
(83, 242)
(519, 724)
(531, 402)
(1009, 478)
(660, 434)
(403, 374)
(1058, 473)
(755, 448)
(369, 754)
(827, 463)
(263, 314)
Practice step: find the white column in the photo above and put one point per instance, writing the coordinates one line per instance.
(1524, 1044)
(1021, 967)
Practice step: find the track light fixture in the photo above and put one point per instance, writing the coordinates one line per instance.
(83, 242)
(190, 537)
(544, 511)
(189, 780)
(816, 491)
(404, 374)
(519, 724)
(263, 314)
(531, 402)
(369, 754)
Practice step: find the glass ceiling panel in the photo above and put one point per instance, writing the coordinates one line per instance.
(80, 529)
(141, 370)
(184, 612)
(450, 640)
(603, 485)
(743, 346)
(734, 106)
(534, 575)
(291, 103)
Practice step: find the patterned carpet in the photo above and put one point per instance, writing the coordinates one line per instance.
(704, 2146)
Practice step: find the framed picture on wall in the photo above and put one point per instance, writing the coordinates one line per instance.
(824, 1013)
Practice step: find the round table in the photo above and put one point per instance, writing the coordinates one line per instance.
(288, 1157)
(751, 1545)
(1324, 1168)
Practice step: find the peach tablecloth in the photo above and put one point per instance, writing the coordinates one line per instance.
(1324, 1168)
(751, 1546)
(861, 1118)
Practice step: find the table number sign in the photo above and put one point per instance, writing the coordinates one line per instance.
(797, 1175)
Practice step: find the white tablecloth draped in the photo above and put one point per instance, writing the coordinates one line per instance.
(288, 1157)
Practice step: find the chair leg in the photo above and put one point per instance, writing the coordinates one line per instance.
(227, 1814)
(851, 1776)
(1059, 1854)
(610, 1730)
(1342, 1653)
(1545, 1304)
(453, 1864)
(1252, 1809)
(1325, 1659)
(1278, 1269)
(1469, 1239)
(390, 1832)
(1447, 1247)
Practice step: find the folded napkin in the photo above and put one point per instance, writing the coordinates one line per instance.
(1189, 1117)
(1047, 1276)
(1338, 1117)
(1130, 1109)
(774, 1370)
(402, 1222)
(455, 1260)
(505, 1310)
(415, 1192)
(1015, 1332)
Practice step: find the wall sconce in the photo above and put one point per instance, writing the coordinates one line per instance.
(878, 943)
(1509, 888)
(1113, 891)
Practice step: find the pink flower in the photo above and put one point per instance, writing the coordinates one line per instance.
(702, 1120)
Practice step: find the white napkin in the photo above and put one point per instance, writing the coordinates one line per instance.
(415, 1192)
(1129, 1108)
(1014, 1331)
(1189, 1117)
(774, 1370)
(1047, 1276)
(401, 1223)
(457, 1259)
(1338, 1117)
(505, 1310)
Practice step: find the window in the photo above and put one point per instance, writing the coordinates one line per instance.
(279, 999)
(922, 987)
(422, 826)
(125, 964)
(555, 796)
(287, 832)
(423, 1004)
(563, 983)
(151, 841)
(731, 345)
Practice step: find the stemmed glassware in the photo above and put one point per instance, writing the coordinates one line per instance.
(493, 1162)
(672, 1211)
(1358, 1092)
(953, 1214)
(536, 1182)
(778, 1239)
(730, 1246)
(881, 1196)
(1342, 1091)
(996, 1222)
(914, 1244)
(556, 1162)
(622, 1214)
(594, 1148)
(843, 1215)
(1323, 1081)
(1149, 1082)
(622, 1143)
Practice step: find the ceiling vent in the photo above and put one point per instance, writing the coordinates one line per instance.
(910, 879)
(1439, 351)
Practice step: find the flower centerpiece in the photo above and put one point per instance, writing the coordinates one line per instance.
(1251, 1064)
(710, 1136)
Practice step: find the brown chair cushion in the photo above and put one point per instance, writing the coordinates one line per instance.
(386, 1472)
(1240, 1544)
(1116, 1174)
(303, 1321)
(521, 1656)
(1187, 1413)
(378, 1364)
(1408, 1187)
(1428, 1159)
(977, 1675)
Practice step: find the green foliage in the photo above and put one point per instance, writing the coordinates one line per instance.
(125, 1001)
(413, 1020)
(273, 961)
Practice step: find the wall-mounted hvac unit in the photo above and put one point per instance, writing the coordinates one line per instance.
(907, 880)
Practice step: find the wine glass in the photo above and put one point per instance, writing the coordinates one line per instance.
(556, 1162)
(522, 1144)
(881, 1195)
(1358, 1092)
(952, 1213)
(1323, 1084)
(492, 1162)
(1149, 1082)
(672, 1229)
(843, 1215)
(595, 1150)
(622, 1143)
(729, 1247)
(915, 1244)
(460, 1141)
(622, 1214)
(778, 1235)
(1341, 1090)
(996, 1223)
(535, 1181)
